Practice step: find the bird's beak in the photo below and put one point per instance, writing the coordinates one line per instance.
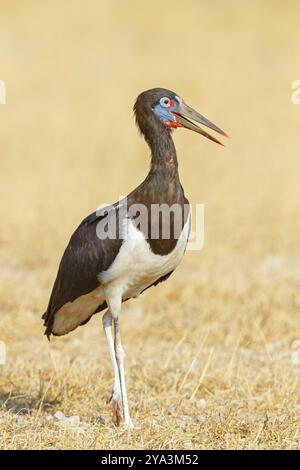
(186, 113)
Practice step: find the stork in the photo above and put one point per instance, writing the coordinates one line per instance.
(115, 254)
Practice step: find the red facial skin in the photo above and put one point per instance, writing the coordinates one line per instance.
(173, 124)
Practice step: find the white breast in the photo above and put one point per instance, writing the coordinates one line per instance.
(136, 266)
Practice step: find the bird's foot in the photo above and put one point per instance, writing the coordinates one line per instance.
(117, 416)
(115, 399)
(128, 423)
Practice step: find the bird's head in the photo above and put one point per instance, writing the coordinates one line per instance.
(170, 111)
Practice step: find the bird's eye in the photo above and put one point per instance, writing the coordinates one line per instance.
(165, 102)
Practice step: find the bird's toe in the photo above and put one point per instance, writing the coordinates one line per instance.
(117, 416)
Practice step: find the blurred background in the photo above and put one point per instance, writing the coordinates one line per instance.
(68, 143)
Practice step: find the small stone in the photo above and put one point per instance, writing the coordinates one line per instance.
(59, 416)
(49, 418)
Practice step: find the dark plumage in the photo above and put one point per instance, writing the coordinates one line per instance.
(97, 273)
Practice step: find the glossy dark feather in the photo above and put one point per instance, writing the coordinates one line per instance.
(84, 258)
(87, 256)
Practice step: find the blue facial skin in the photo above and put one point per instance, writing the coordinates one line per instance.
(164, 114)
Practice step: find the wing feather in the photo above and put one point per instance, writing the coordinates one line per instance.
(85, 257)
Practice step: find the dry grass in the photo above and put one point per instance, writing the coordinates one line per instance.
(210, 362)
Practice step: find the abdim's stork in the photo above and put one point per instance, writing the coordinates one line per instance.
(100, 272)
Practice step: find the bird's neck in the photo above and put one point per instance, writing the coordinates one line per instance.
(163, 153)
(162, 184)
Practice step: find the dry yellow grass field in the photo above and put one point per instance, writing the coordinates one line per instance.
(211, 355)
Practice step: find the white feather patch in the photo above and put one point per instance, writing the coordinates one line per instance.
(134, 269)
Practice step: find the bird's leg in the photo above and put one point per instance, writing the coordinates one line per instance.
(120, 355)
(116, 392)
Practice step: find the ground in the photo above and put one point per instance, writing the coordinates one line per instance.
(212, 355)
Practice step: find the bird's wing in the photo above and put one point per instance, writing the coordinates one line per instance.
(85, 257)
